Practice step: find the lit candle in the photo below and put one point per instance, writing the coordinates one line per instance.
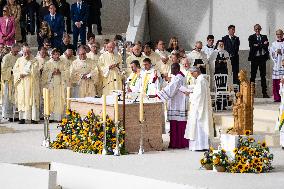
(44, 99)
(47, 101)
(116, 109)
(104, 108)
(141, 109)
(68, 91)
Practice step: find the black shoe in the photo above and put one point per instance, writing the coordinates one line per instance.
(16, 119)
(34, 122)
(22, 121)
(10, 119)
(265, 95)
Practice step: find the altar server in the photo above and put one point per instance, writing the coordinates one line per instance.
(7, 80)
(209, 48)
(84, 74)
(177, 107)
(53, 71)
(110, 63)
(199, 128)
(276, 53)
(26, 80)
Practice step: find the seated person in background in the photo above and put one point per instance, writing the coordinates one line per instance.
(173, 45)
(66, 44)
(44, 33)
(220, 63)
(198, 58)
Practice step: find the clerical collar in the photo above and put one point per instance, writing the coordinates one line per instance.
(210, 47)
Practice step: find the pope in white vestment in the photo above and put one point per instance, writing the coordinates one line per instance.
(110, 65)
(7, 81)
(177, 107)
(26, 79)
(199, 128)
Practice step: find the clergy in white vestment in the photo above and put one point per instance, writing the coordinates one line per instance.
(220, 63)
(209, 47)
(7, 81)
(42, 57)
(150, 78)
(67, 58)
(94, 55)
(134, 81)
(184, 68)
(153, 56)
(84, 74)
(53, 70)
(199, 58)
(276, 53)
(281, 111)
(110, 63)
(177, 103)
(136, 54)
(164, 63)
(199, 128)
(26, 80)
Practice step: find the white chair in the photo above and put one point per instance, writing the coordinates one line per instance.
(221, 91)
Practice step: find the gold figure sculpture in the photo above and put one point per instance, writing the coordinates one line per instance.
(243, 106)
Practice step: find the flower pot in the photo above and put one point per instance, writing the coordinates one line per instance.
(220, 168)
(208, 167)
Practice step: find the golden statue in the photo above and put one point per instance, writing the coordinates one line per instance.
(243, 107)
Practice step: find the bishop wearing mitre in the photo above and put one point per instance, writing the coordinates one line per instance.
(26, 80)
(53, 72)
(110, 65)
(84, 74)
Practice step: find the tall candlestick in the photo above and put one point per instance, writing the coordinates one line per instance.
(104, 108)
(44, 99)
(47, 101)
(116, 109)
(141, 108)
(68, 91)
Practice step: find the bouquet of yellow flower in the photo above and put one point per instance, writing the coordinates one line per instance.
(220, 160)
(86, 135)
(207, 160)
(251, 157)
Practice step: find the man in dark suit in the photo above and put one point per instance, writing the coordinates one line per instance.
(56, 23)
(258, 55)
(94, 7)
(63, 8)
(79, 16)
(2, 4)
(232, 44)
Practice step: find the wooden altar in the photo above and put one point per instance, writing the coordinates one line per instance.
(153, 115)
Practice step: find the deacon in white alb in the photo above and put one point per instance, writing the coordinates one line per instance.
(134, 81)
(150, 78)
(199, 128)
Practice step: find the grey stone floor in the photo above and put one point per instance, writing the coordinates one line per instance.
(22, 143)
